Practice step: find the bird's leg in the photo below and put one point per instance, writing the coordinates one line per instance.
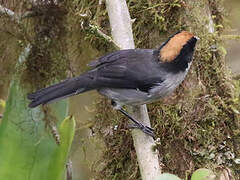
(137, 124)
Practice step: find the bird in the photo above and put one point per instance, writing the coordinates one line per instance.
(130, 76)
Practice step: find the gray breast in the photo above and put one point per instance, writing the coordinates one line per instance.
(171, 82)
(165, 88)
(125, 96)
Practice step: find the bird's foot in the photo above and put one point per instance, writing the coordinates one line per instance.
(147, 130)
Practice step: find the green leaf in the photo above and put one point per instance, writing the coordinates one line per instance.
(223, 50)
(2, 103)
(203, 174)
(26, 148)
(56, 169)
(167, 176)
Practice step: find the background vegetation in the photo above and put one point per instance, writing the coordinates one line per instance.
(198, 126)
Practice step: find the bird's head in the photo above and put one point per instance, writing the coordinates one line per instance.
(178, 47)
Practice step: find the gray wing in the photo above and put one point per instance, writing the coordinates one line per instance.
(114, 56)
(128, 69)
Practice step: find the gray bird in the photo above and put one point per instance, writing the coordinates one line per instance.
(130, 77)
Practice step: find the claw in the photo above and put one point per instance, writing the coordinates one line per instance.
(137, 124)
(147, 130)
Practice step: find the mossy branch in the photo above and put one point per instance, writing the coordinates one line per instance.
(9, 13)
(122, 34)
(96, 30)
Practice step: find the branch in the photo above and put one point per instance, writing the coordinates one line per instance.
(231, 37)
(120, 22)
(122, 35)
(9, 13)
(69, 170)
(94, 29)
(101, 34)
(6, 11)
(17, 20)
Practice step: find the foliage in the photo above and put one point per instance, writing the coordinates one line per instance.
(2, 103)
(197, 125)
(26, 147)
(167, 176)
(203, 174)
(56, 169)
(200, 174)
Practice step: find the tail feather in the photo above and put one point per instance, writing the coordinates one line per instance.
(58, 91)
(47, 89)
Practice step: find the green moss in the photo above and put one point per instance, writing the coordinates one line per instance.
(119, 160)
(82, 14)
(160, 17)
(47, 60)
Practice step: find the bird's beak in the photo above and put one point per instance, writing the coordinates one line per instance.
(197, 37)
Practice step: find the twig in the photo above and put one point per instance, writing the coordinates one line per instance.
(69, 170)
(54, 132)
(6, 11)
(10, 13)
(231, 37)
(17, 20)
(29, 14)
(97, 30)
(9, 33)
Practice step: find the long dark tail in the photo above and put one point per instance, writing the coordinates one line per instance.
(61, 90)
